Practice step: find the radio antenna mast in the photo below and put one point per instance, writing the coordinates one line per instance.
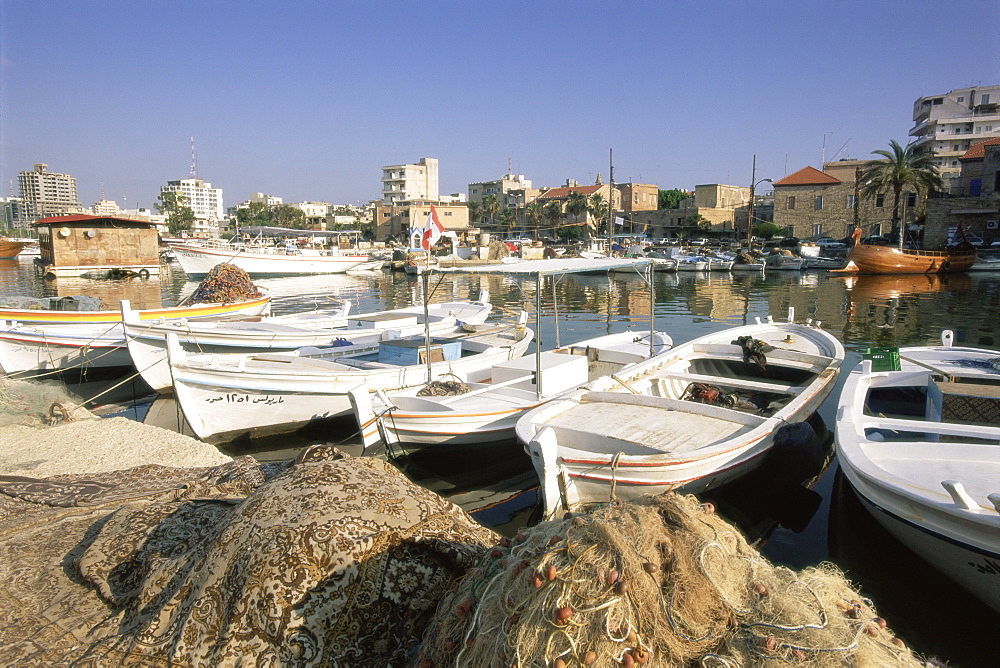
(194, 160)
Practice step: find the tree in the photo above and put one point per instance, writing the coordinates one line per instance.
(533, 215)
(173, 204)
(900, 167)
(285, 215)
(670, 199)
(508, 218)
(475, 212)
(255, 213)
(554, 213)
(576, 204)
(598, 208)
(766, 231)
(568, 232)
(491, 207)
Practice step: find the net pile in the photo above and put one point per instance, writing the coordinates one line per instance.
(497, 250)
(36, 403)
(224, 284)
(74, 303)
(661, 583)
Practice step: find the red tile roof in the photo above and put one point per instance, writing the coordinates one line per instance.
(978, 151)
(807, 176)
(85, 218)
(557, 193)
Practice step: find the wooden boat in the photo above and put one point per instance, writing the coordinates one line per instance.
(11, 248)
(50, 316)
(487, 411)
(917, 436)
(47, 343)
(697, 416)
(198, 260)
(323, 328)
(871, 259)
(224, 397)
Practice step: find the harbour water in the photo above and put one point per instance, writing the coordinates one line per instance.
(797, 527)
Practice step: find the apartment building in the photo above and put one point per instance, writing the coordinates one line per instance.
(499, 187)
(639, 196)
(950, 123)
(401, 183)
(105, 207)
(45, 193)
(204, 200)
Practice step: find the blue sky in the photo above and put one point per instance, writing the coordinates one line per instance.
(307, 100)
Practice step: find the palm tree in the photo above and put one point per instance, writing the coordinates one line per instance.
(598, 208)
(508, 217)
(554, 214)
(475, 212)
(900, 167)
(491, 207)
(576, 204)
(533, 214)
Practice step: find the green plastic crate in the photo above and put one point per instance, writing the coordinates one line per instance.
(883, 359)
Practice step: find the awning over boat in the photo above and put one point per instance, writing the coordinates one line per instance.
(570, 265)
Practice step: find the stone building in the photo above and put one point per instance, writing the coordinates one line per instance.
(638, 196)
(811, 203)
(585, 219)
(979, 213)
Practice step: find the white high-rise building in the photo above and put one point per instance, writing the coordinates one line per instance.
(45, 193)
(204, 200)
(401, 183)
(950, 123)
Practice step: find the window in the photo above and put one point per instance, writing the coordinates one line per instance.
(790, 203)
(961, 99)
(911, 200)
(984, 99)
(818, 202)
(955, 147)
(852, 202)
(818, 230)
(880, 200)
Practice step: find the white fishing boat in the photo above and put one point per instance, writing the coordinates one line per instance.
(697, 416)
(225, 397)
(820, 262)
(691, 263)
(487, 411)
(918, 437)
(43, 346)
(198, 260)
(320, 328)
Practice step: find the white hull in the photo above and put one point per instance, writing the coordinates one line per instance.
(198, 261)
(224, 397)
(638, 432)
(321, 329)
(491, 410)
(928, 469)
(784, 263)
(38, 349)
(54, 346)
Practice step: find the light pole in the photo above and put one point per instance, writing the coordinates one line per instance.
(753, 186)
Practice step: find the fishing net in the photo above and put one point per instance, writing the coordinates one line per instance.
(443, 388)
(224, 284)
(74, 303)
(665, 582)
(36, 403)
(497, 250)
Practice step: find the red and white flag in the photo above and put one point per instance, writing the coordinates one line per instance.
(432, 230)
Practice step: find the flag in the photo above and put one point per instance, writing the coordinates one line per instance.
(619, 220)
(432, 230)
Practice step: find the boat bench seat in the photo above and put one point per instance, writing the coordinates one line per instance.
(736, 383)
(980, 432)
(791, 358)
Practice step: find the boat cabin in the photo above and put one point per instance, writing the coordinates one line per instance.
(102, 246)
